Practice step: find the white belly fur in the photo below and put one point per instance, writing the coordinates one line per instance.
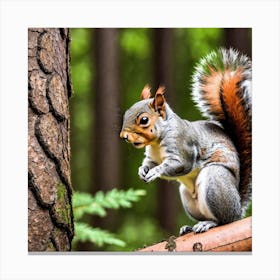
(157, 153)
(189, 181)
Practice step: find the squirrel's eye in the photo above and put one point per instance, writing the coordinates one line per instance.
(144, 120)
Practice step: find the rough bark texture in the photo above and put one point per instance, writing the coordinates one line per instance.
(50, 216)
(234, 237)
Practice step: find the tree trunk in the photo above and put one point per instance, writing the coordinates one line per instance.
(167, 194)
(106, 109)
(106, 153)
(240, 39)
(50, 216)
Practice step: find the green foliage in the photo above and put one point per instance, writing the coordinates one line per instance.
(139, 235)
(135, 54)
(85, 203)
(84, 232)
(194, 43)
(135, 42)
(80, 51)
(81, 106)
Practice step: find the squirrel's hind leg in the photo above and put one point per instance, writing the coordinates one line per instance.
(193, 209)
(217, 201)
(218, 197)
(190, 203)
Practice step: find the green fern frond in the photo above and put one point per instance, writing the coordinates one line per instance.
(96, 205)
(84, 203)
(84, 232)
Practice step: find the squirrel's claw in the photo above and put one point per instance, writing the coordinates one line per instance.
(142, 172)
(152, 174)
(185, 229)
(148, 175)
(203, 226)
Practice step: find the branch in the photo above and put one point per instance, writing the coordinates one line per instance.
(236, 236)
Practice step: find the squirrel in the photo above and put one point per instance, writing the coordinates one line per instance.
(210, 158)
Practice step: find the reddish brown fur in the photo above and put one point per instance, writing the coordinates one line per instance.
(218, 156)
(146, 92)
(240, 125)
(211, 88)
(235, 119)
(139, 134)
(145, 134)
(158, 103)
(235, 108)
(231, 98)
(160, 90)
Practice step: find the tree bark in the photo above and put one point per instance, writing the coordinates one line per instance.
(50, 216)
(236, 236)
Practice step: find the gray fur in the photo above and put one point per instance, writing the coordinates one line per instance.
(135, 110)
(188, 146)
(178, 146)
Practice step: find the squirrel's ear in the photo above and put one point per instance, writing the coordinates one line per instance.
(160, 90)
(158, 102)
(146, 92)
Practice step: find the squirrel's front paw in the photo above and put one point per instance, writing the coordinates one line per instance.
(152, 174)
(142, 172)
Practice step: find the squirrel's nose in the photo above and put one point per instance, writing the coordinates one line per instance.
(124, 135)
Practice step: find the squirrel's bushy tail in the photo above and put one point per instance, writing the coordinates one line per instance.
(222, 92)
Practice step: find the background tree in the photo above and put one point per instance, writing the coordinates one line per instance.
(164, 62)
(106, 148)
(106, 113)
(50, 218)
(240, 39)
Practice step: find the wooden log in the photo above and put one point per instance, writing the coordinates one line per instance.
(236, 236)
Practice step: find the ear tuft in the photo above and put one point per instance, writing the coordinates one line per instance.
(160, 90)
(146, 92)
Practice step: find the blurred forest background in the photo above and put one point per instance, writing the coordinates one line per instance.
(109, 69)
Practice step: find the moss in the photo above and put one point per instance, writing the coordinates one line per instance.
(62, 207)
(61, 240)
